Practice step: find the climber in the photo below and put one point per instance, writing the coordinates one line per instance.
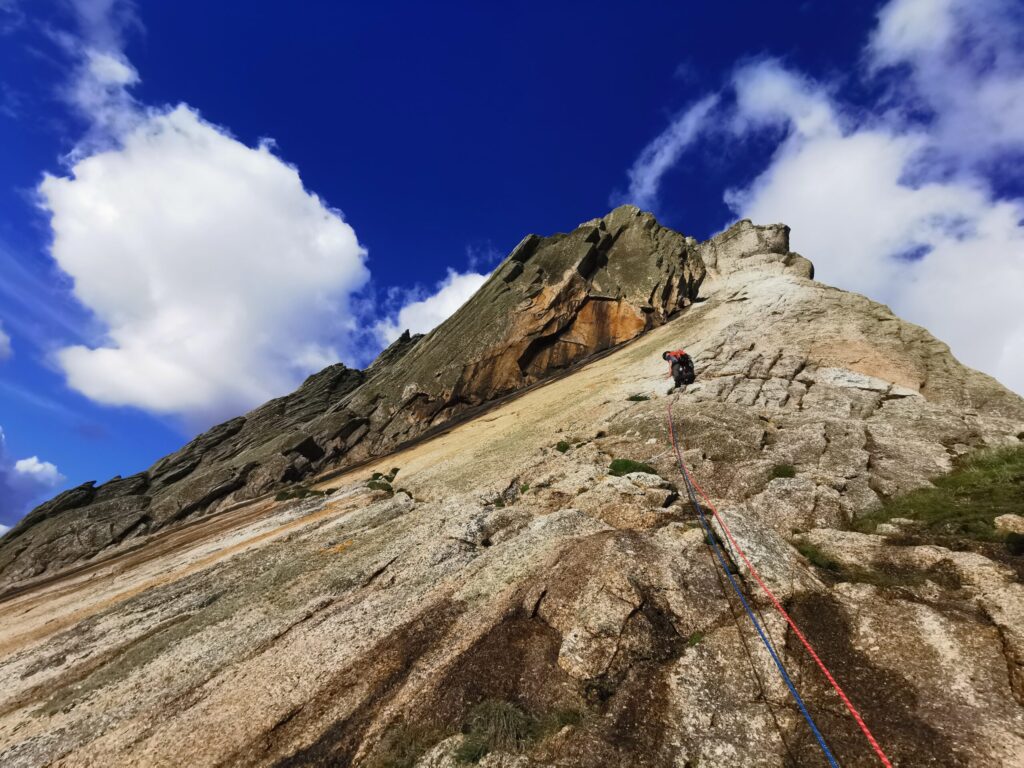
(681, 367)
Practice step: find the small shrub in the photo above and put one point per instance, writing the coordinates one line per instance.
(562, 446)
(524, 487)
(620, 467)
(694, 639)
(381, 485)
(638, 398)
(783, 470)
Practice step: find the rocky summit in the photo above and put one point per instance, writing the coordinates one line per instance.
(480, 549)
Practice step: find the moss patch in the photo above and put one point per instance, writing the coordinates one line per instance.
(620, 467)
(382, 482)
(783, 470)
(298, 492)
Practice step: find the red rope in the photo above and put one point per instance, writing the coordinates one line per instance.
(796, 630)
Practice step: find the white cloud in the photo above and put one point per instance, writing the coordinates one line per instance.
(664, 152)
(853, 215)
(23, 482)
(767, 95)
(40, 472)
(423, 314)
(4, 529)
(5, 344)
(963, 61)
(221, 280)
(111, 69)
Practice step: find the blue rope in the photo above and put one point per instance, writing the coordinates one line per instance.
(764, 639)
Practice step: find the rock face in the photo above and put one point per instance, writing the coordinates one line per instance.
(553, 302)
(506, 563)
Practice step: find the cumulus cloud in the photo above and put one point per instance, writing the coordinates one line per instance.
(5, 344)
(221, 280)
(23, 482)
(892, 204)
(421, 313)
(216, 279)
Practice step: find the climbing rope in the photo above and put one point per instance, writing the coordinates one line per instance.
(713, 543)
(737, 549)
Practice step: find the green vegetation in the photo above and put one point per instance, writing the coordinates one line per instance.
(380, 482)
(962, 504)
(402, 746)
(494, 726)
(694, 639)
(881, 575)
(562, 446)
(502, 726)
(620, 467)
(638, 398)
(298, 492)
(524, 487)
(819, 558)
(783, 470)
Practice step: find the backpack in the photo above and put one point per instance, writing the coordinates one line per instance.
(686, 366)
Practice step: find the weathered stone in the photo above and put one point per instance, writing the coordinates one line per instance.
(314, 630)
(1009, 524)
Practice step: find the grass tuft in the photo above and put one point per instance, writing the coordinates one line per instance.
(502, 726)
(963, 503)
(638, 398)
(562, 446)
(494, 726)
(401, 746)
(620, 467)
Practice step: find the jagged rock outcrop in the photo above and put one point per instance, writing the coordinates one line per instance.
(553, 302)
(506, 563)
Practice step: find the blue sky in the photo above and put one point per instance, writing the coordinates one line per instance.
(199, 207)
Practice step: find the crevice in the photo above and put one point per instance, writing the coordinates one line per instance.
(377, 573)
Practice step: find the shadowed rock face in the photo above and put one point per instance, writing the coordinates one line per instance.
(553, 302)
